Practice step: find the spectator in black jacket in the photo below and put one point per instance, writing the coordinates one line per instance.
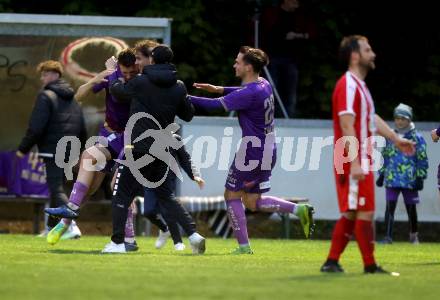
(156, 92)
(55, 114)
(287, 31)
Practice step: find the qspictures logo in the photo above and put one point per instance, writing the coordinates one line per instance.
(251, 152)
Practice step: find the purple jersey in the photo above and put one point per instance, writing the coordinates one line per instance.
(254, 103)
(253, 163)
(116, 113)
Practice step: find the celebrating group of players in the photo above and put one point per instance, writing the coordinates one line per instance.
(143, 80)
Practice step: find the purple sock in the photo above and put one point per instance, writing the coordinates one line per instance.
(237, 218)
(129, 227)
(275, 204)
(79, 192)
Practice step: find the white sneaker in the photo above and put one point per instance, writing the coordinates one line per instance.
(72, 232)
(162, 239)
(114, 248)
(44, 233)
(179, 247)
(414, 238)
(197, 243)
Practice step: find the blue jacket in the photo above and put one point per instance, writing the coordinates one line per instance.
(401, 171)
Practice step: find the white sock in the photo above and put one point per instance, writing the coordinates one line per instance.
(72, 206)
(129, 240)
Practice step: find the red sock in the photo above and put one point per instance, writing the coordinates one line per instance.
(365, 239)
(340, 238)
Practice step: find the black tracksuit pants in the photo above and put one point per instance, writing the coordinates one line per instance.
(125, 191)
(55, 181)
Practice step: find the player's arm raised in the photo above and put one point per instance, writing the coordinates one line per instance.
(212, 105)
(87, 87)
(235, 100)
(404, 145)
(223, 90)
(209, 88)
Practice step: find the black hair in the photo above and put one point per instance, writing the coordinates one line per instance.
(162, 54)
(127, 58)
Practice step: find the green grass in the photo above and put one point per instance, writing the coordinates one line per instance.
(30, 269)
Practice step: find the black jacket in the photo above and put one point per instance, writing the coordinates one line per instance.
(55, 114)
(184, 160)
(156, 92)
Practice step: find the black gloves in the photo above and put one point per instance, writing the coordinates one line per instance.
(418, 184)
(379, 181)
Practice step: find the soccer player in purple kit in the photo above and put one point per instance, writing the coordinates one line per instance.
(117, 113)
(250, 172)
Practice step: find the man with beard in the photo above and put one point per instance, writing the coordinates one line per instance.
(355, 122)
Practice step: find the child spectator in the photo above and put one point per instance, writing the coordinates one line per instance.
(403, 174)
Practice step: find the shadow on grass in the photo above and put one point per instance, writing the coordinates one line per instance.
(201, 255)
(432, 263)
(70, 251)
(91, 252)
(325, 276)
(98, 252)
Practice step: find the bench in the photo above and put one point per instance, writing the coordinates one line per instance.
(37, 203)
(198, 204)
(192, 204)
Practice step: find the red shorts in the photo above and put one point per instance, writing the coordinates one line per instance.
(354, 194)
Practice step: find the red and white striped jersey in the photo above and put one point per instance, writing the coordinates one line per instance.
(351, 96)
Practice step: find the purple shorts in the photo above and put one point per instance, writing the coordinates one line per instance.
(115, 146)
(256, 181)
(409, 196)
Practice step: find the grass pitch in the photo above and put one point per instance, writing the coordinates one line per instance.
(31, 269)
